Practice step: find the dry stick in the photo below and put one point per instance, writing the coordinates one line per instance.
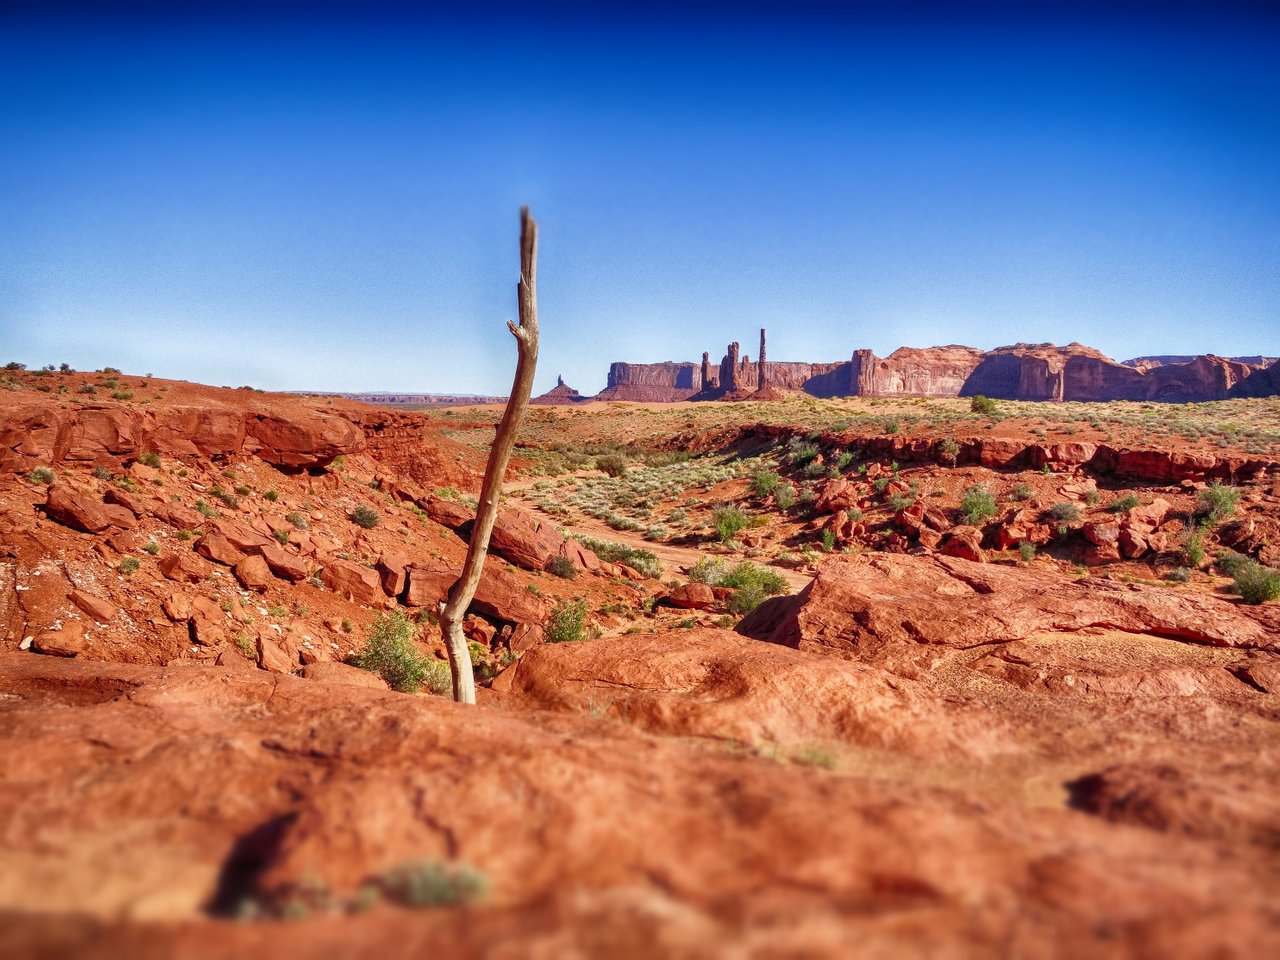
(463, 590)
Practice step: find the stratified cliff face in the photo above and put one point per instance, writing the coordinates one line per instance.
(1259, 383)
(932, 372)
(652, 382)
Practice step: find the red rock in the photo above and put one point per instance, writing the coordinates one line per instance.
(283, 564)
(272, 656)
(359, 583)
(177, 516)
(216, 547)
(500, 595)
(185, 567)
(241, 536)
(76, 509)
(839, 495)
(177, 607)
(101, 610)
(1146, 518)
(964, 542)
(332, 671)
(930, 539)
(120, 498)
(120, 517)
(392, 567)
(253, 574)
(69, 641)
(583, 558)
(208, 430)
(1132, 543)
(98, 434)
(910, 519)
(302, 438)
(449, 513)
(478, 630)
(1101, 532)
(208, 622)
(524, 539)
(691, 596)
(1100, 554)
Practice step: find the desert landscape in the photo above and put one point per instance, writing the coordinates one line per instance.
(924, 674)
(604, 481)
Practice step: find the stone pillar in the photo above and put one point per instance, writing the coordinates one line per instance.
(706, 371)
(760, 363)
(729, 369)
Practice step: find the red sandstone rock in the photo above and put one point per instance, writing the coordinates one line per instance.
(1101, 532)
(331, 671)
(282, 563)
(691, 596)
(185, 567)
(68, 641)
(253, 573)
(361, 584)
(449, 513)
(392, 569)
(216, 547)
(524, 539)
(302, 438)
(75, 509)
(964, 542)
(101, 610)
(500, 594)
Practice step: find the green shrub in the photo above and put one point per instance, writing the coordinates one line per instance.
(152, 548)
(814, 469)
(1193, 547)
(43, 475)
(1064, 512)
(1256, 583)
(1127, 502)
(639, 560)
(977, 505)
(1217, 503)
(1022, 492)
(612, 464)
(1230, 562)
(900, 501)
(271, 496)
(729, 522)
(1027, 551)
(129, 565)
(122, 395)
(764, 483)
(1178, 575)
(225, 496)
(708, 570)
(149, 459)
(244, 490)
(784, 495)
(203, 508)
(281, 535)
(844, 461)
(949, 451)
(448, 493)
(828, 540)
(799, 453)
(430, 883)
(567, 622)
(299, 520)
(389, 652)
(981, 404)
(365, 517)
(563, 567)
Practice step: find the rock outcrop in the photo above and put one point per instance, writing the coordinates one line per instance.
(560, 395)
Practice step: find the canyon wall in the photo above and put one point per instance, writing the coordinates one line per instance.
(652, 382)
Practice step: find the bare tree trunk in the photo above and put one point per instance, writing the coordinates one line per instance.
(463, 590)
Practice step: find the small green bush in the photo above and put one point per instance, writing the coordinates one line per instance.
(828, 540)
(612, 464)
(641, 561)
(149, 459)
(1127, 502)
(129, 565)
(800, 454)
(977, 505)
(1217, 503)
(1064, 512)
(44, 475)
(784, 495)
(1193, 547)
(729, 522)
(567, 622)
(563, 567)
(430, 883)
(901, 501)
(271, 496)
(1256, 583)
(204, 509)
(244, 490)
(365, 517)
(389, 652)
(1023, 492)
(984, 405)
(1178, 575)
(765, 482)
(152, 548)
(299, 520)
(1027, 551)
(844, 461)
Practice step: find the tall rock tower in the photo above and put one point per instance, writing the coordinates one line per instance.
(729, 369)
(760, 363)
(706, 371)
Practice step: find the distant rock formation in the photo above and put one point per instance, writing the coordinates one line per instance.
(651, 382)
(1260, 383)
(560, 395)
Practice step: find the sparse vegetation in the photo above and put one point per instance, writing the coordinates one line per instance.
(785, 496)
(728, 522)
(1064, 512)
(612, 465)
(751, 583)
(366, 517)
(983, 405)
(1256, 583)
(129, 565)
(271, 496)
(977, 505)
(563, 567)
(1027, 551)
(149, 459)
(389, 651)
(642, 561)
(298, 520)
(1217, 503)
(764, 483)
(567, 622)
(43, 475)
(431, 883)
(1122, 504)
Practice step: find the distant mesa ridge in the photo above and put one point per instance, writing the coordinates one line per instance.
(1022, 371)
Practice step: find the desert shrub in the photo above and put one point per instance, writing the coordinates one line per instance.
(244, 490)
(101, 473)
(764, 483)
(226, 497)
(1217, 503)
(800, 453)
(977, 505)
(1093, 498)
(1064, 512)
(149, 459)
(448, 493)
(1127, 502)
(708, 570)
(563, 567)
(122, 395)
(201, 507)
(1230, 562)
(900, 501)
(87, 388)
(152, 548)
(784, 495)
(729, 522)
(828, 540)
(1193, 547)
(1256, 583)
(612, 464)
(247, 646)
(891, 426)
(299, 520)
(43, 475)
(129, 565)
(949, 450)
(14, 366)
(1022, 492)
(281, 535)
(366, 517)
(389, 651)
(984, 405)
(1178, 575)
(815, 468)
(567, 621)
(641, 561)
(844, 461)
(1027, 551)
(271, 496)
(430, 883)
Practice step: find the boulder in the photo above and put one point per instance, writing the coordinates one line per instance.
(253, 574)
(283, 564)
(67, 641)
(101, 610)
(360, 584)
(302, 438)
(185, 567)
(332, 671)
(964, 542)
(1101, 532)
(392, 566)
(691, 596)
(76, 509)
(216, 547)
(501, 594)
(449, 513)
(525, 540)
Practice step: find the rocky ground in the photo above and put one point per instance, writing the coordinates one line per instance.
(868, 720)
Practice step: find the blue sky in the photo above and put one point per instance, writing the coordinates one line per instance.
(331, 202)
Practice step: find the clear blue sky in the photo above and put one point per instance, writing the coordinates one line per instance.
(331, 202)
